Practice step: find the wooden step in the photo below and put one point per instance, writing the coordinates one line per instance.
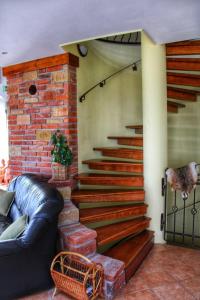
(97, 196)
(132, 251)
(135, 154)
(172, 109)
(110, 179)
(128, 140)
(181, 94)
(183, 79)
(114, 232)
(183, 48)
(174, 106)
(113, 165)
(92, 215)
(138, 128)
(185, 64)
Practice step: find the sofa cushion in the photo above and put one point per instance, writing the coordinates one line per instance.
(6, 199)
(15, 229)
(4, 223)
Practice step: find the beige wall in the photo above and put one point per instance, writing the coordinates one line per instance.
(184, 135)
(106, 111)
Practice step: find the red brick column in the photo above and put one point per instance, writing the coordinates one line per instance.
(33, 118)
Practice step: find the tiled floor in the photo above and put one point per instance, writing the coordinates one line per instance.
(168, 273)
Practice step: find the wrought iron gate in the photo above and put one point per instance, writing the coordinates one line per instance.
(181, 222)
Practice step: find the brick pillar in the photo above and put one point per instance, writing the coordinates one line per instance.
(33, 118)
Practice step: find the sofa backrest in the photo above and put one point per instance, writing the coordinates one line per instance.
(31, 196)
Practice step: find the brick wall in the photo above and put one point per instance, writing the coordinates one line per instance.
(33, 118)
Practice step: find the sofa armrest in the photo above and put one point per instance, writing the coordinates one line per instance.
(36, 229)
(10, 247)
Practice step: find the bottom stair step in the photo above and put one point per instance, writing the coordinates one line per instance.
(132, 251)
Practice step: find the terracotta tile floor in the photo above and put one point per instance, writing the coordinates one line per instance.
(168, 273)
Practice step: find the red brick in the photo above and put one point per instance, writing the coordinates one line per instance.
(112, 267)
(88, 248)
(42, 87)
(28, 153)
(15, 162)
(77, 234)
(44, 153)
(36, 116)
(45, 110)
(48, 95)
(44, 169)
(55, 68)
(38, 121)
(32, 170)
(43, 81)
(42, 71)
(45, 165)
(35, 126)
(112, 288)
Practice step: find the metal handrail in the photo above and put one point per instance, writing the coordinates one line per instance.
(103, 82)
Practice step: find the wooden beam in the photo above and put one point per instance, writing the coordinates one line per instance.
(186, 64)
(41, 63)
(183, 79)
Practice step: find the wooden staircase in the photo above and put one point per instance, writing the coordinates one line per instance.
(117, 214)
(181, 72)
(112, 199)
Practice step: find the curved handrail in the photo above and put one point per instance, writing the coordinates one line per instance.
(103, 82)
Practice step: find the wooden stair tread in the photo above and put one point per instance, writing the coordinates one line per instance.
(197, 76)
(134, 126)
(128, 251)
(114, 232)
(119, 148)
(100, 175)
(128, 140)
(185, 64)
(179, 105)
(115, 162)
(110, 179)
(184, 43)
(183, 79)
(109, 195)
(182, 48)
(91, 215)
(182, 94)
(126, 137)
(136, 154)
(113, 165)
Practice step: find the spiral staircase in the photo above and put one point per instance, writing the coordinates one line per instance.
(112, 201)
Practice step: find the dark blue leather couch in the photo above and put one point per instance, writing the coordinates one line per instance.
(25, 261)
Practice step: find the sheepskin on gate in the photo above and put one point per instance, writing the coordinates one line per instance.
(183, 179)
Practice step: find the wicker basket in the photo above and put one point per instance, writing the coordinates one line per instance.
(77, 276)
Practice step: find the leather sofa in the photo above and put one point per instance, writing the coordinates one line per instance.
(25, 261)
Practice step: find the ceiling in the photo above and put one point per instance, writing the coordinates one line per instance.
(34, 29)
